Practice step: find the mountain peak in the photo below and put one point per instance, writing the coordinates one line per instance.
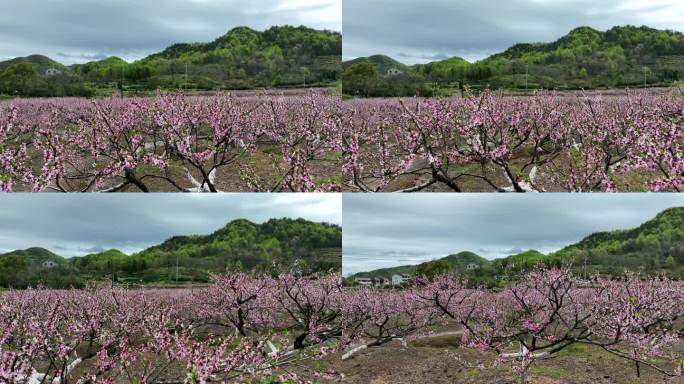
(584, 30)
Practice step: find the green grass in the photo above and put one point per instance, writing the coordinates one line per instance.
(472, 373)
(550, 372)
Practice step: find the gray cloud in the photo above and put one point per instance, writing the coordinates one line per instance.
(417, 32)
(73, 225)
(390, 230)
(81, 30)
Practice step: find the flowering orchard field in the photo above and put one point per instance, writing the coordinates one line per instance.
(531, 322)
(244, 328)
(315, 143)
(240, 328)
(172, 143)
(493, 142)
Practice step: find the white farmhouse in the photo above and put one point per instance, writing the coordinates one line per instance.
(394, 72)
(364, 281)
(49, 264)
(400, 279)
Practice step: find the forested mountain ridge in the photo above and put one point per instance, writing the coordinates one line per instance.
(451, 263)
(273, 246)
(656, 246)
(281, 56)
(381, 62)
(623, 56)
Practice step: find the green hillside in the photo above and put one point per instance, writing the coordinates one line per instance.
(273, 246)
(585, 58)
(381, 76)
(35, 256)
(381, 62)
(281, 56)
(39, 62)
(457, 263)
(449, 70)
(656, 246)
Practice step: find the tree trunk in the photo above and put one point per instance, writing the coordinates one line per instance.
(299, 341)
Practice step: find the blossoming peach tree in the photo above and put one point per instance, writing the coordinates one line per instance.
(492, 142)
(171, 142)
(530, 321)
(239, 327)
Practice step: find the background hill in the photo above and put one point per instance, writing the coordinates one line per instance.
(457, 262)
(271, 247)
(382, 63)
(585, 58)
(39, 62)
(657, 246)
(282, 56)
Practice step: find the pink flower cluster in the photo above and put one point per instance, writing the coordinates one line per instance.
(173, 141)
(238, 327)
(535, 318)
(502, 143)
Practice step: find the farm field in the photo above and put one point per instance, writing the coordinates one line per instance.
(549, 327)
(301, 329)
(429, 360)
(238, 329)
(172, 142)
(493, 142)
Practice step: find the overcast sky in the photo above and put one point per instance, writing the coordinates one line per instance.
(74, 225)
(77, 31)
(423, 31)
(390, 230)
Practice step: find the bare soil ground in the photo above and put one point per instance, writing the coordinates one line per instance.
(264, 162)
(433, 360)
(633, 181)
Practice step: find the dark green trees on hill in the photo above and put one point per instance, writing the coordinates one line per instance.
(583, 59)
(39, 76)
(271, 247)
(586, 58)
(381, 76)
(360, 79)
(241, 59)
(655, 247)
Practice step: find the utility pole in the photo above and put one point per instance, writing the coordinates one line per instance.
(176, 268)
(527, 76)
(186, 76)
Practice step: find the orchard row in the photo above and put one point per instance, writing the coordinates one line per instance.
(498, 143)
(484, 142)
(245, 327)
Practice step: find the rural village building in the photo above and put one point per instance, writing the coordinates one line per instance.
(400, 279)
(365, 281)
(373, 281)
